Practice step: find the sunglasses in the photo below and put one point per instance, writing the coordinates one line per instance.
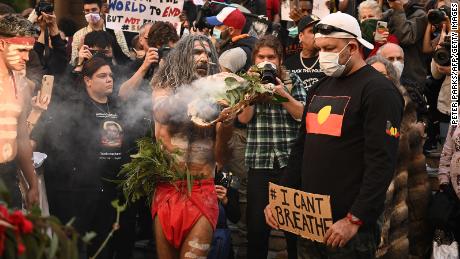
(327, 29)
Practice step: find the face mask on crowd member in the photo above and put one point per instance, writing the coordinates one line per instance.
(223, 32)
(337, 36)
(394, 54)
(227, 24)
(368, 28)
(93, 18)
(267, 55)
(330, 62)
(92, 12)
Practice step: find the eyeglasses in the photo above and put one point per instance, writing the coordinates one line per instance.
(327, 29)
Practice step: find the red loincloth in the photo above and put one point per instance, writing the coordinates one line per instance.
(178, 212)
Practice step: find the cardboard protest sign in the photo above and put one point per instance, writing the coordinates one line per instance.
(320, 8)
(286, 9)
(130, 15)
(306, 214)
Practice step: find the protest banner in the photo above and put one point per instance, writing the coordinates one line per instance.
(286, 9)
(130, 15)
(320, 8)
(305, 214)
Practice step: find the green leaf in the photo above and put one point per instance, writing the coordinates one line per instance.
(35, 211)
(117, 206)
(230, 81)
(53, 246)
(70, 223)
(88, 237)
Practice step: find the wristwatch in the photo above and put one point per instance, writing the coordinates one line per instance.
(354, 220)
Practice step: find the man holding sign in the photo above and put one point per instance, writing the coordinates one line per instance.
(347, 145)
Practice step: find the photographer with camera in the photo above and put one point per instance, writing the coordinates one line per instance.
(438, 16)
(50, 47)
(441, 68)
(272, 128)
(156, 40)
(407, 21)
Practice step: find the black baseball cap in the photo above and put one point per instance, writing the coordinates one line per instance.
(306, 21)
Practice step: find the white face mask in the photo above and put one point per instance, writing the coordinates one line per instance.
(399, 66)
(216, 33)
(329, 63)
(93, 18)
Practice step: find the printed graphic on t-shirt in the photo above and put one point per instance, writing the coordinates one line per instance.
(111, 137)
(325, 115)
(112, 134)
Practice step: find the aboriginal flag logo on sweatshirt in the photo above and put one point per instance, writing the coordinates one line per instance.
(325, 115)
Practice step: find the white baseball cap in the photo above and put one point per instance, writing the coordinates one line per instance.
(341, 26)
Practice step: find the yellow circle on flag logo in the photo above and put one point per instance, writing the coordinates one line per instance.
(323, 114)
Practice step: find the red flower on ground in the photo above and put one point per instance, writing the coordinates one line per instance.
(21, 248)
(19, 220)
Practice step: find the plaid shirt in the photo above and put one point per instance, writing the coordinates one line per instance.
(272, 131)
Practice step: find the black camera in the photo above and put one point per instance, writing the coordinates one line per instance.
(442, 55)
(437, 16)
(44, 7)
(163, 51)
(227, 180)
(268, 73)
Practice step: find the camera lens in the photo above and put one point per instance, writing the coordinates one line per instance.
(436, 17)
(268, 74)
(442, 56)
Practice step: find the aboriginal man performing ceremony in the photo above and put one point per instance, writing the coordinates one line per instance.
(184, 220)
(16, 41)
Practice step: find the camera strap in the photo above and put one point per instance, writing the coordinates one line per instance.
(46, 52)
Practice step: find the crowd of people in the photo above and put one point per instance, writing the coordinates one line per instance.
(367, 99)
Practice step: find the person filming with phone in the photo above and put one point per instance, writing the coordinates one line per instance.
(374, 29)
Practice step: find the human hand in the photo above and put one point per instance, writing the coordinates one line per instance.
(445, 70)
(296, 14)
(227, 117)
(269, 218)
(40, 103)
(151, 56)
(84, 54)
(340, 233)
(221, 192)
(32, 197)
(396, 5)
(42, 23)
(280, 90)
(51, 22)
(383, 38)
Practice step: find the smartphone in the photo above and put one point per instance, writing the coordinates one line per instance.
(382, 27)
(47, 86)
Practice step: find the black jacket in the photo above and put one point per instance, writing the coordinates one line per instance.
(246, 43)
